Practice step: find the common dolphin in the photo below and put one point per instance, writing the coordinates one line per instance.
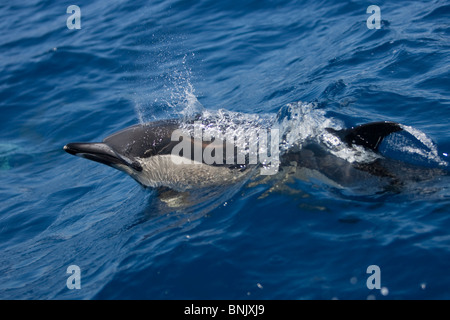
(146, 153)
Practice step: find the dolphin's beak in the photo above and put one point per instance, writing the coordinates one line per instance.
(101, 152)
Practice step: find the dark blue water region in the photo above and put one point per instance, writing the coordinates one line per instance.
(140, 61)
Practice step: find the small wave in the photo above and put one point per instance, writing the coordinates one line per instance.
(415, 146)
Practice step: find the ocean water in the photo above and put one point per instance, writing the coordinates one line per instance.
(139, 61)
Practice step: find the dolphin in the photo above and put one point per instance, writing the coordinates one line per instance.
(146, 153)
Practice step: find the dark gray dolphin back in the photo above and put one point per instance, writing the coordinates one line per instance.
(144, 140)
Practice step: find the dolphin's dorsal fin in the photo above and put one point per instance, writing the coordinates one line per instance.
(369, 135)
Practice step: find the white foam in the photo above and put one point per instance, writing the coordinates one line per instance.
(302, 123)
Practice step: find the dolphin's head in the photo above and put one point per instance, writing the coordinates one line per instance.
(121, 149)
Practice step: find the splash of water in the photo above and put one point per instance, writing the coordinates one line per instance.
(298, 123)
(301, 123)
(178, 95)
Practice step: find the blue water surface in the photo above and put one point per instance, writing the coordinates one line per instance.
(137, 61)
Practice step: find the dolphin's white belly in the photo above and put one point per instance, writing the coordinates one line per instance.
(181, 174)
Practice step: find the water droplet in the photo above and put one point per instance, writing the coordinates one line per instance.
(384, 291)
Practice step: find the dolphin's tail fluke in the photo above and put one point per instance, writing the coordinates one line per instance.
(368, 135)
